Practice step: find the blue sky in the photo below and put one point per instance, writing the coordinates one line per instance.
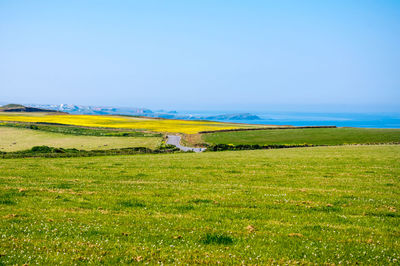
(244, 55)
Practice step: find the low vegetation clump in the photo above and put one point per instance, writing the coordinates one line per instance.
(51, 152)
(231, 147)
(219, 239)
(320, 205)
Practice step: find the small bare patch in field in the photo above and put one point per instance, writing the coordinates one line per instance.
(250, 228)
(75, 210)
(68, 191)
(10, 216)
(11, 177)
(295, 235)
(193, 140)
(392, 209)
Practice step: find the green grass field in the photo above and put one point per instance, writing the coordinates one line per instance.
(15, 139)
(317, 136)
(322, 205)
(81, 131)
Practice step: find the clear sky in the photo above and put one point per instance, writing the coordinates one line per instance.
(206, 54)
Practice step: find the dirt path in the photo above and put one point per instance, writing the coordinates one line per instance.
(176, 140)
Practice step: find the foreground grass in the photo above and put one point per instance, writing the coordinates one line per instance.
(316, 136)
(322, 205)
(16, 139)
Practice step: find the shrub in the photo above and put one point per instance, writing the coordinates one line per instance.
(131, 203)
(42, 149)
(231, 147)
(220, 239)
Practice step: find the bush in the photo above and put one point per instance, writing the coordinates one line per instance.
(231, 147)
(50, 152)
(42, 149)
(220, 239)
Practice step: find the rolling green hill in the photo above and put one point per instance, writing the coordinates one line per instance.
(316, 136)
(20, 108)
(12, 105)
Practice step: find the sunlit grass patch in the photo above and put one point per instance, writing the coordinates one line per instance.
(243, 207)
(316, 136)
(17, 139)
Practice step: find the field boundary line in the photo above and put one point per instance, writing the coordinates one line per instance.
(262, 128)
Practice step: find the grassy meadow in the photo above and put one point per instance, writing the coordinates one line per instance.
(16, 139)
(122, 122)
(316, 136)
(336, 205)
(81, 131)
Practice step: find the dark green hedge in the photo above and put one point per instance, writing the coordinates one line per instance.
(51, 152)
(231, 147)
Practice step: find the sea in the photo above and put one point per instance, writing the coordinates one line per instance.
(363, 120)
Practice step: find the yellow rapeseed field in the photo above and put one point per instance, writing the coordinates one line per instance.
(156, 125)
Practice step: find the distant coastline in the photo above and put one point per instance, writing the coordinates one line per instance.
(364, 120)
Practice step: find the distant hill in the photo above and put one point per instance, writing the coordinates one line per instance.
(221, 117)
(12, 105)
(244, 116)
(20, 108)
(95, 110)
(134, 111)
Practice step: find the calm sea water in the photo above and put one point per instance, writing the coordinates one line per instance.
(383, 120)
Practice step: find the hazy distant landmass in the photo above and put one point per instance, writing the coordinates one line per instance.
(243, 116)
(99, 110)
(222, 117)
(93, 110)
(368, 120)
